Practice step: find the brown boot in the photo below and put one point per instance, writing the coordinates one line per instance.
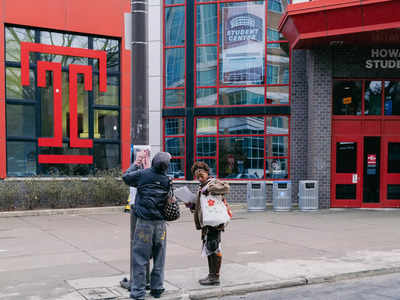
(214, 265)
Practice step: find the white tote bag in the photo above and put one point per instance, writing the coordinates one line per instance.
(214, 210)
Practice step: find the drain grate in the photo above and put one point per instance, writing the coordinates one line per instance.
(98, 294)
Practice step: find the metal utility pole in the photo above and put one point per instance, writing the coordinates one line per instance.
(139, 93)
(139, 100)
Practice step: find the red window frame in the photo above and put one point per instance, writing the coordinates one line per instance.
(165, 49)
(265, 85)
(183, 135)
(265, 135)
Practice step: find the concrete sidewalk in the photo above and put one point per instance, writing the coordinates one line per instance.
(262, 250)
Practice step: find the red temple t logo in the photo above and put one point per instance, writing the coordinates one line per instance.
(74, 70)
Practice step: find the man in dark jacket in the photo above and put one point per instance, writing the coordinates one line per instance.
(150, 234)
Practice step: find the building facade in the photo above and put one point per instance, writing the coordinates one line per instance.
(65, 106)
(263, 91)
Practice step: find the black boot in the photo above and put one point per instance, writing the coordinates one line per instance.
(213, 276)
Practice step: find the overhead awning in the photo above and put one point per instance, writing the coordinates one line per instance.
(335, 22)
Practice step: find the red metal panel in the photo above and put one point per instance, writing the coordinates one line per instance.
(372, 127)
(3, 164)
(125, 108)
(74, 141)
(103, 17)
(42, 67)
(65, 159)
(319, 22)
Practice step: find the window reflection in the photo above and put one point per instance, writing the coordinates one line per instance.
(174, 97)
(13, 37)
(174, 26)
(245, 125)
(206, 126)
(175, 146)
(206, 146)
(278, 95)
(347, 97)
(175, 67)
(241, 96)
(111, 96)
(174, 126)
(278, 64)
(241, 157)
(206, 24)
(206, 66)
(276, 168)
(21, 158)
(106, 124)
(392, 98)
(176, 168)
(14, 89)
(21, 120)
(106, 156)
(206, 96)
(372, 97)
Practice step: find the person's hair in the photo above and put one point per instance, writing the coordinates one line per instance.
(200, 165)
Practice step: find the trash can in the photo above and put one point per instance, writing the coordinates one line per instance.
(308, 195)
(256, 196)
(282, 195)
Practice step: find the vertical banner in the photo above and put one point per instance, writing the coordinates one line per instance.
(243, 44)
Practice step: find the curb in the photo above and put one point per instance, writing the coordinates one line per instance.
(62, 211)
(262, 286)
(81, 211)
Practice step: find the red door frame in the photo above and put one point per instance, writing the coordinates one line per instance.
(388, 178)
(347, 178)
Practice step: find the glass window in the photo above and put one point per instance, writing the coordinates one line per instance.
(112, 48)
(206, 146)
(277, 125)
(21, 158)
(174, 126)
(176, 168)
(392, 98)
(278, 95)
(14, 36)
(111, 96)
(241, 96)
(174, 2)
(206, 24)
(372, 97)
(175, 146)
(14, 89)
(175, 97)
(277, 146)
(206, 96)
(206, 66)
(347, 97)
(106, 124)
(276, 168)
(37, 109)
(206, 126)
(346, 157)
(393, 157)
(241, 157)
(275, 5)
(346, 191)
(243, 125)
(65, 40)
(175, 26)
(211, 163)
(273, 35)
(393, 191)
(242, 43)
(175, 67)
(278, 64)
(21, 120)
(106, 156)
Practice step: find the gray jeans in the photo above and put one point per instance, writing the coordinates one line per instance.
(150, 240)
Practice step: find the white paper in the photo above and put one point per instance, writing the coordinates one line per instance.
(185, 195)
(132, 195)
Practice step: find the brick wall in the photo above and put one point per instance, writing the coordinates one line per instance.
(298, 121)
(319, 78)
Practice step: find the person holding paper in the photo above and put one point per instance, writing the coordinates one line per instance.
(210, 235)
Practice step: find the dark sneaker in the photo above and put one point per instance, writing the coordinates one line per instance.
(210, 280)
(157, 293)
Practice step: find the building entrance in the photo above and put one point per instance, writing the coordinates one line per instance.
(366, 167)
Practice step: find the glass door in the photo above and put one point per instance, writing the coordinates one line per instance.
(347, 172)
(391, 172)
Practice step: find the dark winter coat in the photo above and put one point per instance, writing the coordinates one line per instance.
(152, 187)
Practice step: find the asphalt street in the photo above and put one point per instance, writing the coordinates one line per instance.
(384, 287)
